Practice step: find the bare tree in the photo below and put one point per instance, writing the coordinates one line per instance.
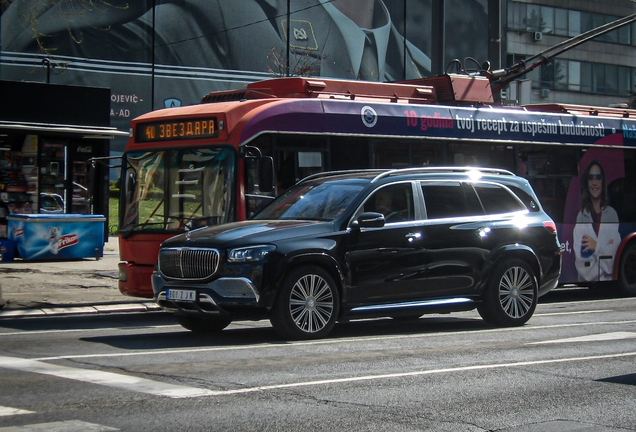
(300, 64)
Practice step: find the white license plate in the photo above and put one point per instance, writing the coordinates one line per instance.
(183, 295)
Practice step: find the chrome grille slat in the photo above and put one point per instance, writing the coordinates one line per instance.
(188, 263)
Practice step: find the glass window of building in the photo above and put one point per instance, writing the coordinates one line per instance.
(561, 22)
(574, 23)
(547, 19)
(565, 22)
(574, 76)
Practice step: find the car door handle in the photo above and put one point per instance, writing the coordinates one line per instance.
(412, 237)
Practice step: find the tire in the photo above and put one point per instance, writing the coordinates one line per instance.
(203, 325)
(307, 304)
(511, 295)
(627, 271)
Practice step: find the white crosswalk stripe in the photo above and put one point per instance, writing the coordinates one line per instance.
(591, 338)
(110, 379)
(64, 426)
(8, 411)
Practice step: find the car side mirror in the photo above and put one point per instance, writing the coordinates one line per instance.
(369, 220)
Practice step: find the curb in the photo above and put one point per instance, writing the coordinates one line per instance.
(80, 310)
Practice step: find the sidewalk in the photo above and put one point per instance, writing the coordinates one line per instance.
(53, 288)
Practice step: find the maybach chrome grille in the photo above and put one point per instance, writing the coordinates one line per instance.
(188, 263)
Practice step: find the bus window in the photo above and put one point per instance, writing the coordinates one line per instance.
(144, 189)
(401, 154)
(482, 155)
(293, 166)
(177, 190)
(550, 171)
(391, 154)
(199, 187)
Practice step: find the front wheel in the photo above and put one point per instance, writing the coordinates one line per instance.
(203, 325)
(511, 295)
(307, 304)
(627, 271)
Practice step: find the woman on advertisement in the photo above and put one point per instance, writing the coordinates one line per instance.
(596, 236)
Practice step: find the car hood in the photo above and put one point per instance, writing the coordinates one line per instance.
(248, 233)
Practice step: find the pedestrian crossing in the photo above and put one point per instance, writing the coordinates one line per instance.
(8, 411)
(125, 382)
(62, 426)
(110, 379)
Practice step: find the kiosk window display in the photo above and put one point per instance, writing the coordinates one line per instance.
(49, 176)
(41, 178)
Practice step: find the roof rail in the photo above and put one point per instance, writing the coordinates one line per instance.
(341, 172)
(451, 169)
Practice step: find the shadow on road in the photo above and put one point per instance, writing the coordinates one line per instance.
(565, 294)
(261, 332)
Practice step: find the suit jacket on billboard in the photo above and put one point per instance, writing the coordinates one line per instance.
(237, 35)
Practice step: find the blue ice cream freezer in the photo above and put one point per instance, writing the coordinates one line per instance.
(57, 236)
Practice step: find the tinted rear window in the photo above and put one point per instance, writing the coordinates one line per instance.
(496, 199)
(444, 200)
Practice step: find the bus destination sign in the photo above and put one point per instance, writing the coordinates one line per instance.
(177, 129)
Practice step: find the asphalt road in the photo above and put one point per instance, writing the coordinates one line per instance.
(572, 368)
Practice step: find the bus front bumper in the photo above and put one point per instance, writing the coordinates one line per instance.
(135, 280)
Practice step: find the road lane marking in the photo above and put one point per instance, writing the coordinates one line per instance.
(8, 411)
(117, 329)
(174, 391)
(62, 426)
(275, 345)
(572, 313)
(420, 373)
(414, 374)
(590, 338)
(126, 382)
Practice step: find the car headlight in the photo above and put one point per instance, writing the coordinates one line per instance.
(251, 253)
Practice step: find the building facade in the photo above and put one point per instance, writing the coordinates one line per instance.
(162, 53)
(599, 72)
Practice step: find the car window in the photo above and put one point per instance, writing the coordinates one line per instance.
(444, 199)
(324, 201)
(529, 201)
(395, 202)
(496, 199)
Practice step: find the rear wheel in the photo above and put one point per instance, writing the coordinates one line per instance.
(627, 271)
(203, 325)
(307, 304)
(511, 295)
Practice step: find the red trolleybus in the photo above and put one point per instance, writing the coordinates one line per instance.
(223, 159)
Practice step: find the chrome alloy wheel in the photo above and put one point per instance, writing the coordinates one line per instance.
(516, 292)
(311, 303)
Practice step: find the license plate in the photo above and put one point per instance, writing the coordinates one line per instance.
(182, 295)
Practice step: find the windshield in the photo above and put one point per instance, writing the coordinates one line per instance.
(177, 190)
(312, 201)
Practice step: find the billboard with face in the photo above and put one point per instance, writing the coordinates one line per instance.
(159, 53)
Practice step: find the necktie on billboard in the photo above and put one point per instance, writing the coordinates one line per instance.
(369, 70)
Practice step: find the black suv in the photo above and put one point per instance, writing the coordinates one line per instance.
(357, 244)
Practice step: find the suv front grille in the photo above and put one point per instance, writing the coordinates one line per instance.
(188, 263)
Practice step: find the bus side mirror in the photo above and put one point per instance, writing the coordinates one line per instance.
(266, 174)
(90, 182)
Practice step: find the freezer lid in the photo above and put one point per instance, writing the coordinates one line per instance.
(61, 217)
